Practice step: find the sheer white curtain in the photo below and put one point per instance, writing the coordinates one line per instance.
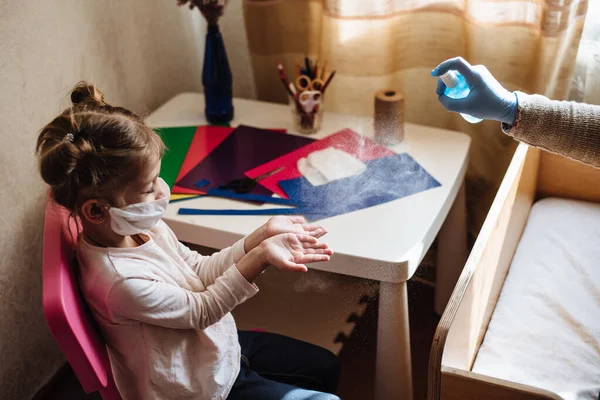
(586, 80)
(529, 45)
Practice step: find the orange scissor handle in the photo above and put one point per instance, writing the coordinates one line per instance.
(303, 82)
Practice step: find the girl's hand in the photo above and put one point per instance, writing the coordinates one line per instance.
(293, 224)
(487, 98)
(282, 224)
(291, 251)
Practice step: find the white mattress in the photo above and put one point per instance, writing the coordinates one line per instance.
(545, 330)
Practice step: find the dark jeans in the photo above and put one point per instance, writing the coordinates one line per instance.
(275, 367)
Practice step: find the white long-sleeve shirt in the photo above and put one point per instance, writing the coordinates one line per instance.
(164, 311)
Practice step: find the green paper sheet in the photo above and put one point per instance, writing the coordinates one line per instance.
(177, 141)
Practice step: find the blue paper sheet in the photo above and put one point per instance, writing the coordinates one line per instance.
(265, 211)
(386, 179)
(258, 198)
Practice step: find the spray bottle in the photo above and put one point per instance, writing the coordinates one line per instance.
(457, 88)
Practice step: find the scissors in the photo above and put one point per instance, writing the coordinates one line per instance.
(245, 185)
(309, 99)
(303, 82)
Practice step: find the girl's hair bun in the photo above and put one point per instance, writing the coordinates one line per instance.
(84, 94)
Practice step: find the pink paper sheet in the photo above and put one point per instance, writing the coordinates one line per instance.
(347, 140)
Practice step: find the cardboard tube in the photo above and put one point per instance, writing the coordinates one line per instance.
(389, 117)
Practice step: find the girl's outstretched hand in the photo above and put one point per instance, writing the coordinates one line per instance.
(282, 224)
(291, 251)
(292, 224)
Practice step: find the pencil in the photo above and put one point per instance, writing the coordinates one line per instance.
(323, 70)
(298, 71)
(282, 74)
(289, 87)
(308, 68)
(284, 79)
(328, 81)
(290, 92)
(316, 70)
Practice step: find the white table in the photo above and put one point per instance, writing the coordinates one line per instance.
(385, 243)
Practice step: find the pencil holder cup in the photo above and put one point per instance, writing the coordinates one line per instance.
(307, 117)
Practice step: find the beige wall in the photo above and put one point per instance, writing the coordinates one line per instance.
(236, 42)
(140, 53)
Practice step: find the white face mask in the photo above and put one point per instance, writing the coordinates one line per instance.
(139, 218)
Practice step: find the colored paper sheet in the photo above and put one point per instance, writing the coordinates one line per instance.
(230, 212)
(177, 141)
(180, 197)
(256, 198)
(206, 139)
(242, 150)
(386, 179)
(347, 140)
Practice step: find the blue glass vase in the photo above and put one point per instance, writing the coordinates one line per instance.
(217, 79)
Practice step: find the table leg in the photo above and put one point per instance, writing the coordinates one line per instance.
(393, 379)
(451, 252)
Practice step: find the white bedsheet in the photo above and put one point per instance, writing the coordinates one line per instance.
(545, 330)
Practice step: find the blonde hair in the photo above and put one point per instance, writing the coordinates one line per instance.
(94, 149)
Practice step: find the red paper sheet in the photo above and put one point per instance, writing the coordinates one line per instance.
(347, 140)
(205, 140)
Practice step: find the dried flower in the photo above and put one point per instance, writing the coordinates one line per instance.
(211, 9)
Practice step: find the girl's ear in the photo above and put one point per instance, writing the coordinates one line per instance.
(95, 211)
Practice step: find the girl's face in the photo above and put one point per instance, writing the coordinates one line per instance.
(145, 188)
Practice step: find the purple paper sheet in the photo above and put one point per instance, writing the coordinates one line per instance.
(244, 149)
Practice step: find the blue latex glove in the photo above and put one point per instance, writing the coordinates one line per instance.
(487, 98)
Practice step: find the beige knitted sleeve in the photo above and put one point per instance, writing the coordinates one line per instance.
(566, 128)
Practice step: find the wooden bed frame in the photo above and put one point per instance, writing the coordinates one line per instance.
(532, 174)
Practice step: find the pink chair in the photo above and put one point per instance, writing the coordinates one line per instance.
(66, 312)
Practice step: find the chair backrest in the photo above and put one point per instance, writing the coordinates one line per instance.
(66, 312)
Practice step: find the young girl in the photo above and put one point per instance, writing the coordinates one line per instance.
(164, 310)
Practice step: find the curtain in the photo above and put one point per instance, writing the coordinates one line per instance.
(529, 45)
(586, 80)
